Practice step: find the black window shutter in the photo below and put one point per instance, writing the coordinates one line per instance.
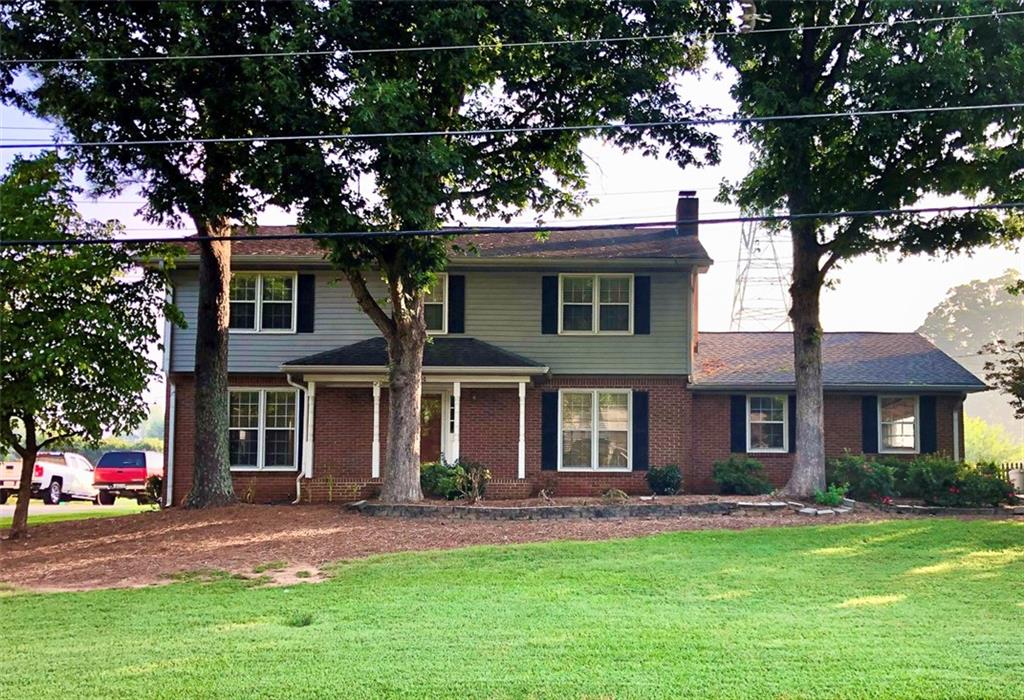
(929, 427)
(549, 430)
(642, 305)
(792, 424)
(641, 440)
(549, 305)
(306, 304)
(738, 423)
(869, 424)
(456, 303)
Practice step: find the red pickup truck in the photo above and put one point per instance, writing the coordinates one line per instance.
(124, 474)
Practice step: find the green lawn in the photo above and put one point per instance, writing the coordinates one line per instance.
(922, 608)
(122, 506)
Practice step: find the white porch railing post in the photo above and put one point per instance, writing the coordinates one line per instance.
(457, 429)
(522, 430)
(375, 463)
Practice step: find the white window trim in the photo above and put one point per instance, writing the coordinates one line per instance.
(595, 303)
(916, 449)
(595, 430)
(785, 425)
(261, 430)
(443, 279)
(258, 274)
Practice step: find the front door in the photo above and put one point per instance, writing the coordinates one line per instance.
(430, 428)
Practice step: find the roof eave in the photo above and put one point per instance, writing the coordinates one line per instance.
(470, 261)
(432, 369)
(938, 388)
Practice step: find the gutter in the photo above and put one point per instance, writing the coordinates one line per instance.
(939, 388)
(298, 477)
(172, 402)
(434, 369)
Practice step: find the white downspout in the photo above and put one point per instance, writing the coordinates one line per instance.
(298, 477)
(173, 403)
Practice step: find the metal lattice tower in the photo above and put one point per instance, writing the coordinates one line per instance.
(760, 300)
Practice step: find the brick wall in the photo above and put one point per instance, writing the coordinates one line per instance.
(264, 487)
(842, 432)
(687, 429)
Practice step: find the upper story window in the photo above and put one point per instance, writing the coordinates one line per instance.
(263, 302)
(768, 423)
(596, 304)
(897, 422)
(595, 429)
(262, 428)
(435, 306)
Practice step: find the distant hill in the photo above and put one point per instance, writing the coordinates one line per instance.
(971, 315)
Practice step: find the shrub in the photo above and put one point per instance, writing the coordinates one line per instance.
(154, 489)
(741, 476)
(866, 478)
(666, 480)
(471, 479)
(615, 496)
(940, 481)
(832, 496)
(929, 477)
(460, 479)
(438, 479)
(979, 487)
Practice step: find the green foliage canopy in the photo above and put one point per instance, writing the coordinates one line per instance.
(76, 321)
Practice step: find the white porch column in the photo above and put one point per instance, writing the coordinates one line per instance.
(522, 430)
(457, 431)
(956, 436)
(307, 448)
(375, 463)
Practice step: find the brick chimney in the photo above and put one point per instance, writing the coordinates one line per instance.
(688, 210)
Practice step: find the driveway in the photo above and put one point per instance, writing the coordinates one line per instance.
(37, 507)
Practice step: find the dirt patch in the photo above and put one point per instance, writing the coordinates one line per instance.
(152, 548)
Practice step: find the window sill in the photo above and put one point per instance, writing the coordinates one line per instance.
(248, 331)
(591, 470)
(264, 469)
(899, 451)
(780, 451)
(591, 333)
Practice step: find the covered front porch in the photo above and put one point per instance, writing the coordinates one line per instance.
(466, 382)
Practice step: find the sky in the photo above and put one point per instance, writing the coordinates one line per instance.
(870, 293)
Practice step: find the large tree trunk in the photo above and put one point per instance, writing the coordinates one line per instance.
(19, 524)
(402, 459)
(211, 475)
(809, 466)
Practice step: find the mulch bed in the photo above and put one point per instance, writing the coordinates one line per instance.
(148, 548)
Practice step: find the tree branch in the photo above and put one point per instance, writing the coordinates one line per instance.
(843, 43)
(55, 438)
(369, 305)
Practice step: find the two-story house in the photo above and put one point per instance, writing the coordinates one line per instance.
(571, 364)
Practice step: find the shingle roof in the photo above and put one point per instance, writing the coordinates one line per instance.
(647, 243)
(439, 352)
(882, 360)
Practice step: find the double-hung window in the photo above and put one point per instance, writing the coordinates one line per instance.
(435, 306)
(595, 429)
(768, 423)
(263, 428)
(897, 422)
(263, 302)
(596, 304)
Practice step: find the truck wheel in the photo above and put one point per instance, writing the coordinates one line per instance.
(105, 498)
(4, 495)
(51, 496)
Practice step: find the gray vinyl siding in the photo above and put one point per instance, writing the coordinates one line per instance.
(502, 307)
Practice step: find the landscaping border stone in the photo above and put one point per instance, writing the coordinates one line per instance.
(553, 512)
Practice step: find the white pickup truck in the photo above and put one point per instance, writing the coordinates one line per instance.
(56, 477)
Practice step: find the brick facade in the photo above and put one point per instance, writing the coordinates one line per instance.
(686, 428)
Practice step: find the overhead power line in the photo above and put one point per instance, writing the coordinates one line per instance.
(712, 121)
(493, 230)
(501, 45)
